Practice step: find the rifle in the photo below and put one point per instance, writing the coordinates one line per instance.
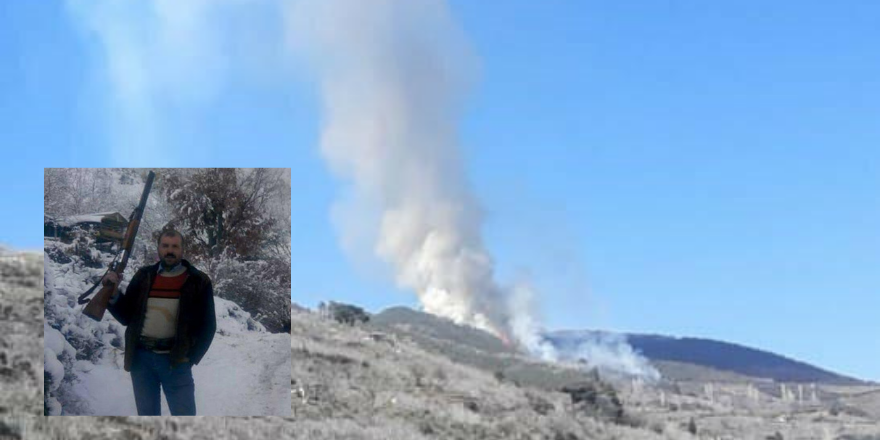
(98, 305)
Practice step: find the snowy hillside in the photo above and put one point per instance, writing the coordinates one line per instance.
(243, 373)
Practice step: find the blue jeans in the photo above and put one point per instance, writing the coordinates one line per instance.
(150, 370)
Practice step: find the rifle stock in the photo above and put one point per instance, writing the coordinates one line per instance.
(99, 303)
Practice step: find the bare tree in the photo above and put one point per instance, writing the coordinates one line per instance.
(222, 208)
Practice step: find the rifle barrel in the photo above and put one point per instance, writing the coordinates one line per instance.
(96, 307)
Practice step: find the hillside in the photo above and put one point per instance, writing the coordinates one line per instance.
(720, 401)
(358, 383)
(476, 348)
(362, 382)
(385, 381)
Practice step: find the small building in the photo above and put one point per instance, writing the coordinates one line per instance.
(107, 227)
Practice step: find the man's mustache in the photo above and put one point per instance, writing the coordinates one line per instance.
(170, 255)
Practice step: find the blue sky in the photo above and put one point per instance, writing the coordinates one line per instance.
(682, 168)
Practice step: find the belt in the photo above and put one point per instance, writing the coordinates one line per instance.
(155, 343)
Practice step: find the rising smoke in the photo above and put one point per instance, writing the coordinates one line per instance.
(393, 75)
(159, 66)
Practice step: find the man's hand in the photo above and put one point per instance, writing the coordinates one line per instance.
(111, 278)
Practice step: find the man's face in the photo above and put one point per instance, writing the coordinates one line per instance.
(170, 252)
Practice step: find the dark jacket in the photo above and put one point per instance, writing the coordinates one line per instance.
(196, 322)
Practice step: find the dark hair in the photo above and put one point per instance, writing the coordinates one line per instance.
(170, 232)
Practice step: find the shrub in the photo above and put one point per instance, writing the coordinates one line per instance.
(343, 313)
(260, 287)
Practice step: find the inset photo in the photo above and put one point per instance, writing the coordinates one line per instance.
(167, 291)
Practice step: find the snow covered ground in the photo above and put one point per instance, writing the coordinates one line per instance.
(245, 372)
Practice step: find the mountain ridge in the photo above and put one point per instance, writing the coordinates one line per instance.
(722, 355)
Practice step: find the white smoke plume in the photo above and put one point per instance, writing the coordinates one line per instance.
(393, 75)
(158, 62)
(525, 325)
(611, 352)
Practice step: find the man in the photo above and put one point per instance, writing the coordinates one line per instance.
(168, 309)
